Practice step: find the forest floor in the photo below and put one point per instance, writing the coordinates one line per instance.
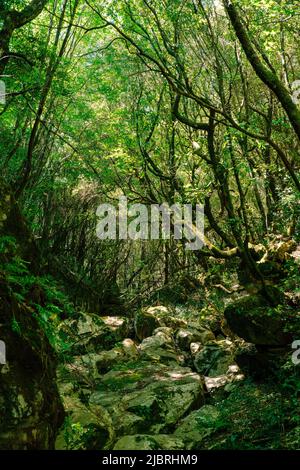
(168, 379)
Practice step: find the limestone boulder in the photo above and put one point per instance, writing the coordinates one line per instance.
(148, 442)
(85, 428)
(192, 334)
(214, 358)
(197, 426)
(255, 320)
(160, 347)
(150, 397)
(91, 333)
(148, 319)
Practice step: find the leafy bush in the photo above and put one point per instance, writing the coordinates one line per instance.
(50, 304)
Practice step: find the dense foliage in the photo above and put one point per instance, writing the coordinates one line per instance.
(175, 101)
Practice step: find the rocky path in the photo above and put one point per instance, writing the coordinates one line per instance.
(142, 384)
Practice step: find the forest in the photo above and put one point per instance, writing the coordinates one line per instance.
(115, 334)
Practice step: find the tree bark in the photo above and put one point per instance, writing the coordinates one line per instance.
(12, 20)
(266, 75)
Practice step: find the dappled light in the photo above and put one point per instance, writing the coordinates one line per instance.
(149, 229)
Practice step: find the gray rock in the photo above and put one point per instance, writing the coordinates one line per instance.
(160, 348)
(148, 442)
(147, 320)
(108, 359)
(86, 428)
(91, 333)
(195, 348)
(149, 398)
(198, 425)
(184, 337)
(254, 319)
(214, 358)
(171, 394)
(144, 324)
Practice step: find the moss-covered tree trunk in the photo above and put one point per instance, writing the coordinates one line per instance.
(267, 75)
